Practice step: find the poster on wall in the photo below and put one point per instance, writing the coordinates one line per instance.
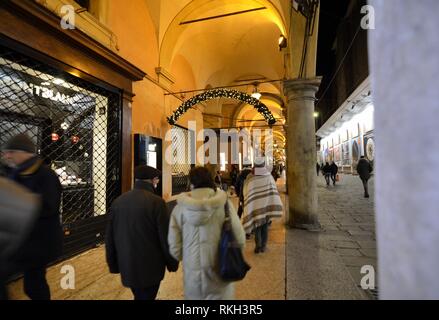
(331, 155)
(320, 156)
(345, 153)
(355, 151)
(337, 154)
(326, 155)
(369, 147)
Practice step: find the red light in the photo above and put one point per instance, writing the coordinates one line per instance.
(55, 137)
(75, 139)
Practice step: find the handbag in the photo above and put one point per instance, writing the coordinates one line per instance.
(231, 260)
(337, 178)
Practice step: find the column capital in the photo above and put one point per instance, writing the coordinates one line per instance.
(302, 89)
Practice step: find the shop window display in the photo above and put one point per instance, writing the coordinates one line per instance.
(75, 125)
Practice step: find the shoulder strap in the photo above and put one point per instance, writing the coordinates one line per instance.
(226, 209)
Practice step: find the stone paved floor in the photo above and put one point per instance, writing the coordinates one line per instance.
(327, 264)
(297, 265)
(265, 280)
(349, 220)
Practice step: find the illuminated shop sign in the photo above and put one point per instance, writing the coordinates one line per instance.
(51, 94)
(39, 90)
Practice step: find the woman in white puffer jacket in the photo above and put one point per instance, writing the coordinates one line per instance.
(194, 236)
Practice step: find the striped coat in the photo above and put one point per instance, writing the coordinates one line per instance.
(261, 201)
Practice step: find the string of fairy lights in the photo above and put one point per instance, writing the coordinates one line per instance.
(222, 93)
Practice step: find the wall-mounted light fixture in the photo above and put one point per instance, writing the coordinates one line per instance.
(282, 42)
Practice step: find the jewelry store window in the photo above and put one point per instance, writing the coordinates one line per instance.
(76, 126)
(182, 157)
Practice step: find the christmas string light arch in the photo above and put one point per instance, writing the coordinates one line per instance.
(222, 93)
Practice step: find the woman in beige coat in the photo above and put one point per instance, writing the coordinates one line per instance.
(194, 236)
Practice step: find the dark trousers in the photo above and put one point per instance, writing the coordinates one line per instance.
(3, 291)
(327, 177)
(148, 293)
(365, 186)
(240, 211)
(35, 284)
(261, 236)
(3, 277)
(333, 177)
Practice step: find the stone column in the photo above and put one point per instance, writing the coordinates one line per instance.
(405, 67)
(301, 152)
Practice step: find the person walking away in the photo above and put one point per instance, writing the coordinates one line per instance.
(364, 169)
(234, 175)
(239, 188)
(317, 168)
(327, 172)
(334, 171)
(261, 203)
(274, 173)
(194, 237)
(136, 240)
(44, 242)
(18, 212)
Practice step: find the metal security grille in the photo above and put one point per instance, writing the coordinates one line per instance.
(182, 158)
(76, 126)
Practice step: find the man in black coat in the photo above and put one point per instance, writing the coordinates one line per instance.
(136, 239)
(44, 243)
(364, 169)
(334, 171)
(327, 172)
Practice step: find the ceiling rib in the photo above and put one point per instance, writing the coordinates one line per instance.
(222, 15)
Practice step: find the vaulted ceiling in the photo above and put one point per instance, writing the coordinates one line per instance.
(226, 43)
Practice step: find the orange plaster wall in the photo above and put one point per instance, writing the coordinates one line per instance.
(135, 32)
(137, 41)
(184, 76)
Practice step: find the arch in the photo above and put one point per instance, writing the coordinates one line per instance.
(193, 10)
(222, 93)
(271, 104)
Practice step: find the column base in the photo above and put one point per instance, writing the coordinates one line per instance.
(309, 222)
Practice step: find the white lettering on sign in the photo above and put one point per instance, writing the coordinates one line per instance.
(48, 93)
(36, 90)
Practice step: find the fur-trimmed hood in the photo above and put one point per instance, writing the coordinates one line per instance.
(201, 204)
